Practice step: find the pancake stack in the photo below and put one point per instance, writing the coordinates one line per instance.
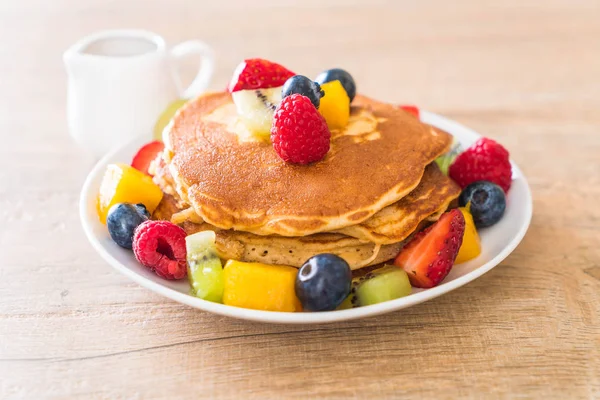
(376, 187)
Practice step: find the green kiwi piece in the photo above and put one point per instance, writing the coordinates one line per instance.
(205, 271)
(387, 283)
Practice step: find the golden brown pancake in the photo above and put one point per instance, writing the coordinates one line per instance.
(397, 221)
(293, 251)
(236, 183)
(390, 225)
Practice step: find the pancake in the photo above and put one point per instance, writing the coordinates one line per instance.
(293, 251)
(392, 224)
(397, 221)
(159, 171)
(235, 182)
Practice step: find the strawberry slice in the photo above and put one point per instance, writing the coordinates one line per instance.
(145, 155)
(414, 110)
(256, 73)
(430, 255)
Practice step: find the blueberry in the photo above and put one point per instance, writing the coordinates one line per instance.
(304, 86)
(488, 202)
(338, 74)
(323, 282)
(123, 219)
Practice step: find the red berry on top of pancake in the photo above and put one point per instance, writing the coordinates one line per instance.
(256, 73)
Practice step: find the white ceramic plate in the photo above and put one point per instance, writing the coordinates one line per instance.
(497, 242)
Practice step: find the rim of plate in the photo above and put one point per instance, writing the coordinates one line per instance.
(308, 317)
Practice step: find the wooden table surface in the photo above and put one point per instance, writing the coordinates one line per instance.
(525, 73)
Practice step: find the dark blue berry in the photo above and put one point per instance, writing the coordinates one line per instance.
(302, 85)
(123, 219)
(323, 282)
(488, 202)
(338, 74)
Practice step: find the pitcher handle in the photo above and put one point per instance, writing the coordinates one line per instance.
(205, 72)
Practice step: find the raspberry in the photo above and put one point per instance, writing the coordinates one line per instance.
(486, 160)
(299, 133)
(160, 246)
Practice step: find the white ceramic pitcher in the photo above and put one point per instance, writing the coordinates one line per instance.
(120, 81)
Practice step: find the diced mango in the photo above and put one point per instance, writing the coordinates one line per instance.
(335, 105)
(471, 245)
(124, 184)
(260, 286)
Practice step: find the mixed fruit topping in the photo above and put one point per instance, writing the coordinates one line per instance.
(266, 95)
(297, 115)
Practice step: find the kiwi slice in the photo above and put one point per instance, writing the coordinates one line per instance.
(255, 109)
(205, 271)
(383, 284)
(445, 160)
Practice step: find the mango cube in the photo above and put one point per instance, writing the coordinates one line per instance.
(124, 184)
(471, 245)
(260, 286)
(335, 105)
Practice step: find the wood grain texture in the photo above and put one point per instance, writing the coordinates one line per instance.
(524, 72)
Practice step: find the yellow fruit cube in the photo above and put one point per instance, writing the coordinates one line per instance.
(260, 286)
(335, 105)
(124, 184)
(471, 245)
